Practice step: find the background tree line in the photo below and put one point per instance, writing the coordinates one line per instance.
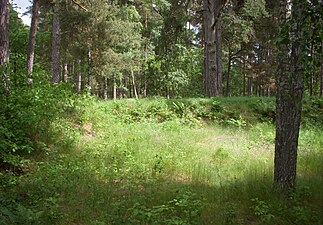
(140, 48)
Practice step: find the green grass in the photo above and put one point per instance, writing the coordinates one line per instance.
(192, 161)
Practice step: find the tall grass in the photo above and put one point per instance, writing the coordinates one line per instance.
(172, 162)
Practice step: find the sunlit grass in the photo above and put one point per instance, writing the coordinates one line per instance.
(176, 171)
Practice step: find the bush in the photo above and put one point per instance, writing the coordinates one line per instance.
(28, 116)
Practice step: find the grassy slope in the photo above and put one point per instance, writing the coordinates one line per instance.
(156, 162)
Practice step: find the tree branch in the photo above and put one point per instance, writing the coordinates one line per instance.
(79, 5)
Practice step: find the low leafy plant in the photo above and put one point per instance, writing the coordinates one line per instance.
(262, 210)
(184, 209)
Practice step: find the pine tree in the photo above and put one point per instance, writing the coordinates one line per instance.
(4, 42)
(289, 93)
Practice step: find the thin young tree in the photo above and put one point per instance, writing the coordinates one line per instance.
(32, 37)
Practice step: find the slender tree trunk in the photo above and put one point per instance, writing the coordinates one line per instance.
(250, 89)
(114, 89)
(288, 100)
(244, 85)
(56, 47)
(89, 75)
(32, 38)
(134, 84)
(79, 76)
(72, 69)
(227, 91)
(244, 76)
(312, 75)
(256, 86)
(65, 74)
(212, 49)
(105, 90)
(4, 43)
(146, 58)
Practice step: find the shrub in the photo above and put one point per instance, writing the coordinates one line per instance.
(28, 116)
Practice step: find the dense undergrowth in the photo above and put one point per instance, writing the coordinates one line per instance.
(152, 161)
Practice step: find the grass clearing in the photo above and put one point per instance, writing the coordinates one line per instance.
(149, 165)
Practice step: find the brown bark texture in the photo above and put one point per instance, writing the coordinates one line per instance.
(288, 101)
(212, 49)
(4, 32)
(4, 43)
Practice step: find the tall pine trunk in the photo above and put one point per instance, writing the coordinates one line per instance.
(4, 43)
(56, 47)
(212, 49)
(321, 71)
(32, 37)
(288, 99)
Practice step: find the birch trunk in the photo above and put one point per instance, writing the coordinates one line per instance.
(32, 37)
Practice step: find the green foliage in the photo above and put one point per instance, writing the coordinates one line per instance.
(261, 209)
(183, 209)
(33, 116)
(234, 112)
(12, 212)
(142, 162)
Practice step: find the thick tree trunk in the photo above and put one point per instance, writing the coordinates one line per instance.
(32, 37)
(4, 32)
(56, 47)
(4, 43)
(288, 102)
(212, 49)
(321, 72)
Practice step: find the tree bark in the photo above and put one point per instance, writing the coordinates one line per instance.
(79, 76)
(105, 89)
(56, 47)
(89, 78)
(4, 43)
(65, 74)
(288, 101)
(227, 91)
(114, 89)
(321, 72)
(134, 84)
(250, 89)
(32, 37)
(212, 49)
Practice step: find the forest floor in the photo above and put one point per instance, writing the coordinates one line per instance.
(130, 165)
